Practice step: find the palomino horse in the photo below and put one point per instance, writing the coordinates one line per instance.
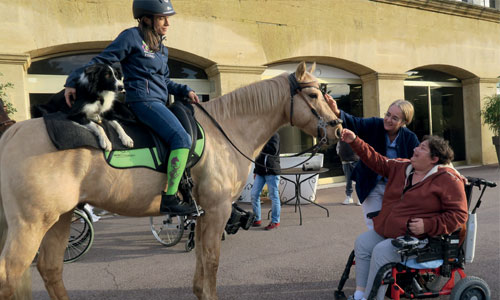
(41, 186)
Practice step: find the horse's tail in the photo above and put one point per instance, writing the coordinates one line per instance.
(23, 290)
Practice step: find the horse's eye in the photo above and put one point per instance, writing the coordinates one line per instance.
(108, 75)
(313, 96)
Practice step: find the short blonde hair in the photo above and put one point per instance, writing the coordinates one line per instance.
(407, 109)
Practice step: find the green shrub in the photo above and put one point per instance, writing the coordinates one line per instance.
(9, 107)
(491, 113)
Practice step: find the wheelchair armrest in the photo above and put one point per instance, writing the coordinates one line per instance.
(373, 214)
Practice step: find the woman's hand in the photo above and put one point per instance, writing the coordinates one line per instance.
(416, 226)
(69, 95)
(348, 136)
(193, 97)
(332, 104)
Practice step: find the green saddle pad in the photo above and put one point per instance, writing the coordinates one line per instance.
(149, 157)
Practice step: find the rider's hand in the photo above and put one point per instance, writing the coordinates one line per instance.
(69, 95)
(416, 226)
(332, 104)
(348, 136)
(193, 97)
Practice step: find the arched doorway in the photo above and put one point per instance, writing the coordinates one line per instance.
(47, 75)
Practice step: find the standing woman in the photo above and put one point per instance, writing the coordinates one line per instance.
(143, 58)
(389, 137)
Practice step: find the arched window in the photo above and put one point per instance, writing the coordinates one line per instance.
(47, 76)
(439, 110)
(345, 87)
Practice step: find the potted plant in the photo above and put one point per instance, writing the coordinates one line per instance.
(491, 117)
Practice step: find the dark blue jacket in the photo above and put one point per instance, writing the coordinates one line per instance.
(372, 131)
(146, 73)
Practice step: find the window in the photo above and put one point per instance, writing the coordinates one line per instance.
(438, 101)
(47, 76)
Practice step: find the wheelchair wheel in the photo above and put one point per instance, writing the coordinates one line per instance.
(471, 288)
(81, 236)
(167, 230)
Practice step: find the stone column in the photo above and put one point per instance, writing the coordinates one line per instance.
(227, 78)
(13, 68)
(478, 144)
(380, 90)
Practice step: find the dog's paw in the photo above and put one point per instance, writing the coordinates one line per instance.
(105, 144)
(127, 141)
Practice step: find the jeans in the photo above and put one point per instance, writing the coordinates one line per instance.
(272, 182)
(163, 122)
(347, 167)
(372, 252)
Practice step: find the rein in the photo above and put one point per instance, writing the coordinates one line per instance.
(295, 88)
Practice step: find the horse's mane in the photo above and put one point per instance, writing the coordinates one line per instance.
(258, 97)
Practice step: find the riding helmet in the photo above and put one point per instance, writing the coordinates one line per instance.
(142, 8)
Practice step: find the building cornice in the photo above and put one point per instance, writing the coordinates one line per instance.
(217, 69)
(384, 76)
(455, 8)
(15, 59)
(477, 80)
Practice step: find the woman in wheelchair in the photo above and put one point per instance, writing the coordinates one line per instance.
(424, 197)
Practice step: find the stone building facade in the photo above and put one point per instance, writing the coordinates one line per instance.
(442, 55)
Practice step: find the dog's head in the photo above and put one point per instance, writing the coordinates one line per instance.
(101, 78)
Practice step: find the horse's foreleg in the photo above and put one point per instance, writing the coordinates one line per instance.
(51, 256)
(198, 274)
(209, 232)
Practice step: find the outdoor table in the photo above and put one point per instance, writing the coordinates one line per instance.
(298, 173)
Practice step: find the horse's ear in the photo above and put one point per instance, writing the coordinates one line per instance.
(301, 71)
(313, 67)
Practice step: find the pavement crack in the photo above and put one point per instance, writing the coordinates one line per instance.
(115, 283)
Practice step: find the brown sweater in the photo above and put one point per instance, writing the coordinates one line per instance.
(439, 199)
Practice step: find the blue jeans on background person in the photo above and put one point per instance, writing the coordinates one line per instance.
(348, 167)
(272, 182)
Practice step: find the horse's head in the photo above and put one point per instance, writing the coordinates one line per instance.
(308, 108)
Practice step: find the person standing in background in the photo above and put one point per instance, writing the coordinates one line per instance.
(266, 171)
(349, 160)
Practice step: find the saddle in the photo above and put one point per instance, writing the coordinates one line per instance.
(149, 150)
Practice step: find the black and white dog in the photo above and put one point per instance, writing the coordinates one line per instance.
(96, 92)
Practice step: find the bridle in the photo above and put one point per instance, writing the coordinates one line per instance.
(296, 89)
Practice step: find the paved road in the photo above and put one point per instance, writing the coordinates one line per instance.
(292, 262)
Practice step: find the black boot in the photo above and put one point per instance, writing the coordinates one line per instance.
(170, 205)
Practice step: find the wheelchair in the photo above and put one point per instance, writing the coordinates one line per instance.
(424, 262)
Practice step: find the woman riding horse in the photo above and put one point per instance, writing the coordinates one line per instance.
(143, 58)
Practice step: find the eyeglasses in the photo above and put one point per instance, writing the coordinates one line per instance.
(394, 118)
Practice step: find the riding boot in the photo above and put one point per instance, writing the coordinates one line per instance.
(170, 203)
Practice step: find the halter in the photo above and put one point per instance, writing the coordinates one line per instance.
(296, 89)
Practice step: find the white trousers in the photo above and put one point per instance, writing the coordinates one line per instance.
(373, 202)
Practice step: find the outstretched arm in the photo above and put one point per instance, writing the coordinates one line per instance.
(374, 160)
